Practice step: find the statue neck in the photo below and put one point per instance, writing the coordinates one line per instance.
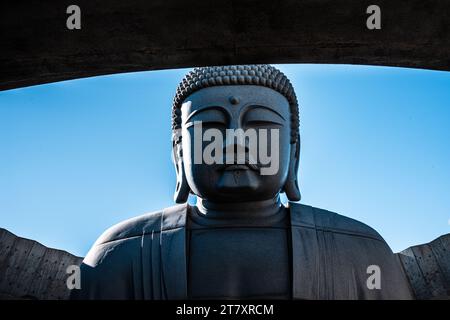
(237, 210)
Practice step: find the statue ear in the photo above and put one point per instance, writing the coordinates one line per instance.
(182, 188)
(291, 188)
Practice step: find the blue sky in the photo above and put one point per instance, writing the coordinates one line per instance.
(79, 156)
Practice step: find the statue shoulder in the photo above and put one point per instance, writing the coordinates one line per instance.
(117, 255)
(131, 228)
(328, 238)
(305, 215)
(119, 243)
(141, 225)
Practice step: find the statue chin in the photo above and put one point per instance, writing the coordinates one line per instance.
(238, 181)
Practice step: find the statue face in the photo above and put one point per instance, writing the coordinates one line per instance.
(236, 142)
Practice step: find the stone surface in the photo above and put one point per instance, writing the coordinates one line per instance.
(137, 35)
(29, 270)
(428, 268)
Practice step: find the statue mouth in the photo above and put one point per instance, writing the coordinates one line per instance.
(247, 163)
(236, 167)
(245, 166)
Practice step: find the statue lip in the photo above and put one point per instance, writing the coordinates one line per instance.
(230, 167)
(244, 166)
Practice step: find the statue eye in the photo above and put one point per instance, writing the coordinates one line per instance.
(262, 116)
(210, 117)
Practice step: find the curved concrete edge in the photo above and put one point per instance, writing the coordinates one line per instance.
(140, 35)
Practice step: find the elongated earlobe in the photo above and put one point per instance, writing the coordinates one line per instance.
(182, 188)
(291, 188)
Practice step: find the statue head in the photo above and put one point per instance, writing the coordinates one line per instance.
(235, 134)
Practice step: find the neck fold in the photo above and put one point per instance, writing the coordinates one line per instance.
(244, 210)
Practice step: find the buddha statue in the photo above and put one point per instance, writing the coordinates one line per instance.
(239, 241)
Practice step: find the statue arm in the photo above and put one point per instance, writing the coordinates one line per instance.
(106, 273)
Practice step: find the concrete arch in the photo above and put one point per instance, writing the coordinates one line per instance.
(135, 35)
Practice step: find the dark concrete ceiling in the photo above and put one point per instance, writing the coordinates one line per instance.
(123, 36)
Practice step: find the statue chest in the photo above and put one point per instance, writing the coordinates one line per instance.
(239, 262)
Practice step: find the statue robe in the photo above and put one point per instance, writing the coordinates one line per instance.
(145, 258)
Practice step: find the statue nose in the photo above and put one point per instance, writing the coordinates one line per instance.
(232, 146)
(234, 150)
